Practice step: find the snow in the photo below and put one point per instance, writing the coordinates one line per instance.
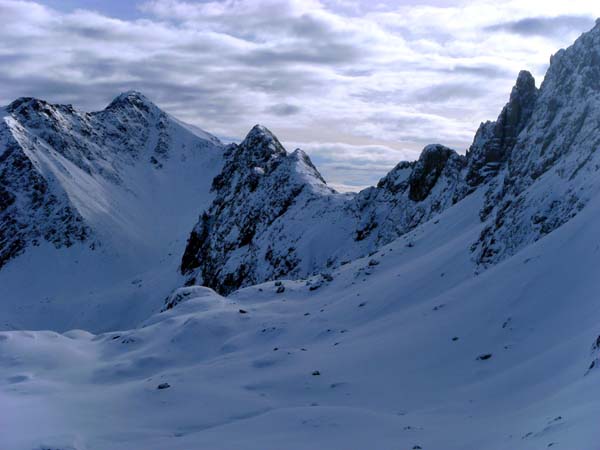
(139, 214)
(466, 320)
(380, 336)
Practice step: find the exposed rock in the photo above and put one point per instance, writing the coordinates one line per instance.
(552, 167)
(57, 164)
(494, 141)
(274, 215)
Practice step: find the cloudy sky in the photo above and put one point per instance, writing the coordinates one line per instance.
(359, 84)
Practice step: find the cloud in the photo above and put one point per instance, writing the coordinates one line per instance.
(545, 26)
(284, 109)
(373, 81)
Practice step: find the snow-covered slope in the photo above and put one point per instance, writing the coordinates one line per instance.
(93, 204)
(403, 349)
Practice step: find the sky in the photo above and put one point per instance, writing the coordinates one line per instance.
(360, 85)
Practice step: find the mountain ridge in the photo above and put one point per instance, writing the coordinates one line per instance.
(534, 137)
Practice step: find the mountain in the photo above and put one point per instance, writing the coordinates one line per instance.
(452, 306)
(535, 165)
(274, 218)
(92, 203)
(274, 215)
(551, 172)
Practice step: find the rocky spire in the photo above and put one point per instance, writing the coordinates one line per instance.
(495, 140)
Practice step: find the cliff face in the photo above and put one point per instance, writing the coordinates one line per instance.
(494, 141)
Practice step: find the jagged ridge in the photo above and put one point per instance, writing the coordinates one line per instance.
(274, 216)
(533, 165)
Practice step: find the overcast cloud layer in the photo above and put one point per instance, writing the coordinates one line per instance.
(358, 87)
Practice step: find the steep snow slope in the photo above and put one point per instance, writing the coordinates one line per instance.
(95, 209)
(390, 353)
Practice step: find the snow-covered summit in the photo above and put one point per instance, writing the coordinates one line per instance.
(132, 99)
(259, 182)
(119, 185)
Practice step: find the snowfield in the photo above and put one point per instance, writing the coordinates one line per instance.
(389, 354)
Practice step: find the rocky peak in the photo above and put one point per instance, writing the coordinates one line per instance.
(132, 100)
(552, 167)
(517, 112)
(34, 112)
(258, 184)
(575, 71)
(260, 145)
(260, 152)
(25, 103)
(494, 141)
(427, 170)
